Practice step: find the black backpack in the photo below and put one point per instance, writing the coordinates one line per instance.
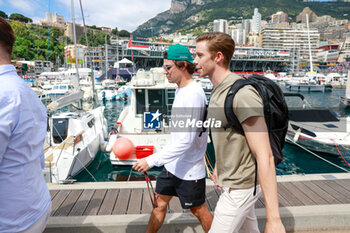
(275, 110)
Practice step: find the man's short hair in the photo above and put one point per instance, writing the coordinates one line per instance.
(7, 37)
(219, 42)
(190, 67)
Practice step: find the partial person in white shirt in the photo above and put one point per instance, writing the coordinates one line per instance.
(25, 202)
(183, 174)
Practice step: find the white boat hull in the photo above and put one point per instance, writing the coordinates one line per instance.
(158, 140)
(334, 142)
(66, 159)
(307, 88)
(314, 144)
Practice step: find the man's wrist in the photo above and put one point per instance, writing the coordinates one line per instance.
(151, 160)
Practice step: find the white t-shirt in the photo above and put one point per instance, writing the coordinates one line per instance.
(183, 156)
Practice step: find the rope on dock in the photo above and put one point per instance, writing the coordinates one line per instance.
(297, 144)
(209, 172)
(129, 175)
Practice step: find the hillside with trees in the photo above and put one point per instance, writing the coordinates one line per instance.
(32, 42)
(188, 16)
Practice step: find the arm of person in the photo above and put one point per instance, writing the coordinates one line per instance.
(7, 123)
(169, 153)
(255, 130)
(173, 150)
(214, 178)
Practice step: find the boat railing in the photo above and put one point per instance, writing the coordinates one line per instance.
(70, 141)
(289, 94)
(306, 104)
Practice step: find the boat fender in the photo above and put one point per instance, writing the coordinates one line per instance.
(110, 143)
(297, 135)
(123, 148)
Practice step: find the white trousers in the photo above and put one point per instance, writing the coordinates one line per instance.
(40, 225)
(235, 211)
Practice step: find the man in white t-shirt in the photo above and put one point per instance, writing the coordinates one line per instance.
(183, 157)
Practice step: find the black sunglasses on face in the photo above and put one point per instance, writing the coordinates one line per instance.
(167, 67)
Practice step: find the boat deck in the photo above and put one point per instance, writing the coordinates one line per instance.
(131, 201)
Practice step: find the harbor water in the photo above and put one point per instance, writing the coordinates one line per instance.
(295, 161)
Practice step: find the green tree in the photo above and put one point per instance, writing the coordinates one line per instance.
(95, 39)
(21, 18)
(124, 33)
(4, 15)
(90, 35)
(94, 27)
(23, 48)
(19, 28)
(115, 31)
(32, 42)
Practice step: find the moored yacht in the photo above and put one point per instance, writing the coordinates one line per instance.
(60, 89)
(320, 130)
(152, 97)
(73, 139)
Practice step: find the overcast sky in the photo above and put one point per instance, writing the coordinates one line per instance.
(124, 14)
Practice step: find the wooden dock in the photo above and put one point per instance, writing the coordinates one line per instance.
(120, 201)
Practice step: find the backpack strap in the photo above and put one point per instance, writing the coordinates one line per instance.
(264, 94)
(205, 114)
(256, 177)
(232, 120)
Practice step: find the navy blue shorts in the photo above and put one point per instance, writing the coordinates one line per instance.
(190, 192)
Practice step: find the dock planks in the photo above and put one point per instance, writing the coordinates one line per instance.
(124, 201)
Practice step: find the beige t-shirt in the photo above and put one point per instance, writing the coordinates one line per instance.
(234, 160)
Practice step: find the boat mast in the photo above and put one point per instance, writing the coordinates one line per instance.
(65, 58)
(293, 66)
(75, 81)
(89, 52)
(117, 55)
(106, 57)
(308, 38)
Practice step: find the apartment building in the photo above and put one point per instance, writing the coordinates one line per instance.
(71, 54)
(256, 21)
(279, 17)
(291, 38)
(220, 25)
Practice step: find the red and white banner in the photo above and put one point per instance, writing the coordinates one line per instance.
(240, 52)
(283, 54)
(138, 47)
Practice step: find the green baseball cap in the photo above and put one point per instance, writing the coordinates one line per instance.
(179, 52)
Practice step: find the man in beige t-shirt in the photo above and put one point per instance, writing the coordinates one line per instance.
(235, 153)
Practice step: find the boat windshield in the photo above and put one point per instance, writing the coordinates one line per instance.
(59, 129)
(140, 101)
(155, 100)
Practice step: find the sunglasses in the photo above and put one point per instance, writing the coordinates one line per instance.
(167, 67)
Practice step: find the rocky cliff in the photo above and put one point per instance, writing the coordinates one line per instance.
(189, 15)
